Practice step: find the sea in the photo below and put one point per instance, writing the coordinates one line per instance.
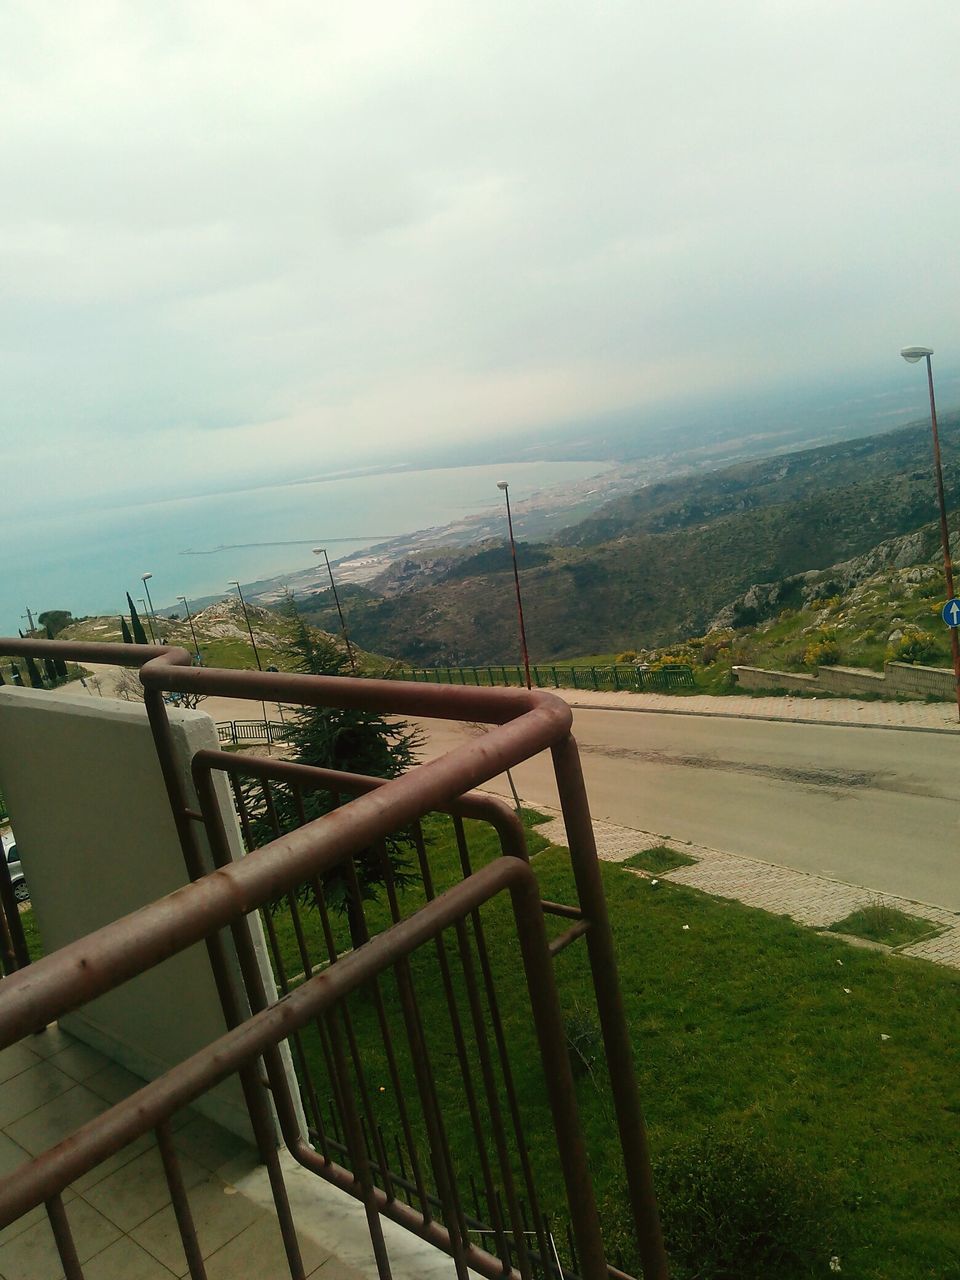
(86, 561)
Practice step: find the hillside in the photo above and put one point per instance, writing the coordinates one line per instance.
(657, 566)
(221, 633)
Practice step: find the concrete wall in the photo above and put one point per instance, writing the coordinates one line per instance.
(758, 678)
(903, 677)
(97, 840)
(898, 678)
(853, 680)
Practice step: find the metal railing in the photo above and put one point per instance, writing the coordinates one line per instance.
(361, 815)
(237, 732)
(626, 677)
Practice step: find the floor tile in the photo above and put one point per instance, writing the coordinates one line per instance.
(16, 1058)
(210, 1145)
(114, 1083)
(259, 1251)
(12, 1155)
(32, 1255)
(49, 1041)
(29, 1090)
(47, 1125)
(79, 1061)
(135, 1192)
(112, 1163)
(218, 1217)
(334, 1269)
(125, 1260)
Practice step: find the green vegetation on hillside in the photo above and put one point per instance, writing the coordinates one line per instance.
(660, 564)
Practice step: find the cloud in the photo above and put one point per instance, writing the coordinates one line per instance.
(297, 232)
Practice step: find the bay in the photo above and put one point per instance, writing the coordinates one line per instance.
(85, 561)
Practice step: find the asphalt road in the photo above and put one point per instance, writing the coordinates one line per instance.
(874, 807)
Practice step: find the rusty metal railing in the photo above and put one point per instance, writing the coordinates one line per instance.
(527, 722)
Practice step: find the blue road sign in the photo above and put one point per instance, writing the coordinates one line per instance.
(950, 613)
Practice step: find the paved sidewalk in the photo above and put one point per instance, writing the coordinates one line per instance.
(914, 715)
(808, 899)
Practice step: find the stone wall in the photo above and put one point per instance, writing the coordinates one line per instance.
(852, 680)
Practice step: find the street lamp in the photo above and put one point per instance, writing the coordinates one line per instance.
(256, 654)
(502, 484)
(322, 551)
(143, 578)
(912, 355)
(192, 631)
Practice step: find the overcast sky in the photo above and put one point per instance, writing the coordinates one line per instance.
(243, 235)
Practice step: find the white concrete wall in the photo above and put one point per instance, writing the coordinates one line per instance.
(97, 839)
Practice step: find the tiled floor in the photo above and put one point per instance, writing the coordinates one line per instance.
(120, 1212)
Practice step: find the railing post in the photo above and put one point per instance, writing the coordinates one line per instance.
(593, 673)
(556, 678)
(616, 678)
(613, 1024)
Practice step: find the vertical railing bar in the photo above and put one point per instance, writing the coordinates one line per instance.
(493, 1102)
(63, 1238)
(501, 1043)
(461, 1049)
(261, 1117)
(439, 1147)
(353, 888)
(181, 1204)
(354, 1138)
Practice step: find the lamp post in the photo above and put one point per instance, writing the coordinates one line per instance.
(322, 551)
(144, 577)
(192, 631)
(146, 614)
(256, 655)
(912, 355)
(502, 484)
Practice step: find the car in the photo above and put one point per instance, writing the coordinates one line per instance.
(17, 878)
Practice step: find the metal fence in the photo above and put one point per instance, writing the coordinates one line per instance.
(618, 677)
(236, 732)
(418, 1184)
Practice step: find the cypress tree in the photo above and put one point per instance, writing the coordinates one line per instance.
(51, 670)
(35, 677)
(2, 681)
(61, 668)
(139, 635)
(125, 630)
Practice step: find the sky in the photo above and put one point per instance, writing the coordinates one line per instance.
(239, 240)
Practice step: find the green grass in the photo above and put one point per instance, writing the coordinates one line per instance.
(741, 1020)
(880, 923)
(658, 860)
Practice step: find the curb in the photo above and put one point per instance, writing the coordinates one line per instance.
(733, 715)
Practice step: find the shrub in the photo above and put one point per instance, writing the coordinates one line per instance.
(915, 645)
(628, 655)
(823, 649)
(735, 1207)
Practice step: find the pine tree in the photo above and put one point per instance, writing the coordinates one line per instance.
(125, 630)
(139, 635)
(35, 678)
(350, 741)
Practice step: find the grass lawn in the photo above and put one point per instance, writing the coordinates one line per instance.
(844, 1057)
(880, 923)
(658, 860)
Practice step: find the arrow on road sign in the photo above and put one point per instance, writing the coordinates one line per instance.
(951, 613)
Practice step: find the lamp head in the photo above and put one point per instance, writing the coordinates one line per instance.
(319, 551)
(502, 484)
(145, 576)
(913, 354)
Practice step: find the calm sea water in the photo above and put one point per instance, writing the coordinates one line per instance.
(194, 546)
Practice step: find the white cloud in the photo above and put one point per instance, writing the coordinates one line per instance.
(329, 226)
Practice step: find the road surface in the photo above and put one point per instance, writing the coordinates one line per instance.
(874, 807)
